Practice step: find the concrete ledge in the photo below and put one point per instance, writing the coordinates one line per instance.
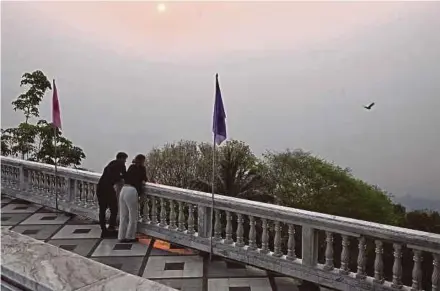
(36, 265)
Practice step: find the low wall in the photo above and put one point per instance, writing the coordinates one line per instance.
(34, 265)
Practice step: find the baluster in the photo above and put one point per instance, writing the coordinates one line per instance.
(62, 188)
(240, 231)
(191, 219)
(95, 203)
(264, 238)
(46, 182)
(345, 255)
(329, 265)
(15, 180)
(38, 184)
(362, 260)
(435, 273)
(146, 214)
(78, 192)
(181, 218)
(378, 263)
(397, 267)
(291, 243)
(163, 213)
(85, 201)
(32, 181)
(277, 240)
(53, 186)
(217, 225)
(252, 234)
(228, 237)
(417, 271)
(153, 210)
(173, 216)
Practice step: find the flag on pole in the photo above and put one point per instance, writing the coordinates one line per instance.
(56, 113)
(219, 118)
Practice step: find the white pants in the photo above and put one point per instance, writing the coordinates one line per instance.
(128, 207)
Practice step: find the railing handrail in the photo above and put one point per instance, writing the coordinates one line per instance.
(266, 210)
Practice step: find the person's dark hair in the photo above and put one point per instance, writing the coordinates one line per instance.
(139, 159)
(121, 155)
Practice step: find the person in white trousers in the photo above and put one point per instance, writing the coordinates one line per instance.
(134, 181)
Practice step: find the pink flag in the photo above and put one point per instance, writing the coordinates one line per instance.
(56, 113)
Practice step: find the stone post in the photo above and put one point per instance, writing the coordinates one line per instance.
(309, 246)
(204, 221)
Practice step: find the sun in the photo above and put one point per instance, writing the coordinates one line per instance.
(161, 7)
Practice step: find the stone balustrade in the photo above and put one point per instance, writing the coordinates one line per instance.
(331, 251)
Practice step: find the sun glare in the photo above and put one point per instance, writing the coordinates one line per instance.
(161, 7)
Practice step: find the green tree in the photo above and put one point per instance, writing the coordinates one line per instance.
(36, 141)
(29, 101)
(238, 173)
(66, 153)
(304, 181)
(177, 164)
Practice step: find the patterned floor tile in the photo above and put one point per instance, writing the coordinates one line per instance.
(46, 210)
(20, 208)
(13, 219)
(183, 284)
(76, 220)
(130, 265)
(79, 231)
(226, 269)
(239, 284)
(112, 248)
(41, 232)
(287, 284)
(79, 246)
(174, 267)
(47, 218)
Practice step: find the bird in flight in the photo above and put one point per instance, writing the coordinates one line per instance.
(369, 106)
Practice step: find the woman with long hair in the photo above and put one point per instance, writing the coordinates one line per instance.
(134, 181)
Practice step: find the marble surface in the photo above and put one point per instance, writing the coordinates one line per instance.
(40, 266)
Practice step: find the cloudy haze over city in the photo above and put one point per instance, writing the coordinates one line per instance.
(134, 75)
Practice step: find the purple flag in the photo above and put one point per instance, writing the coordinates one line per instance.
(219, 118)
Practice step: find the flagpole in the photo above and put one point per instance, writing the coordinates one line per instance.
(212, 200)
(56, 165)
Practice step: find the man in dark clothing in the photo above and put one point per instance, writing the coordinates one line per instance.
(113, 173)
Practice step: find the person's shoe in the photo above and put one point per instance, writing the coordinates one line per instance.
(123, 240)
(132, 240)
(112, 228)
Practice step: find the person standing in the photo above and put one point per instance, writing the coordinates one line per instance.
(113, 174)
(134, 181)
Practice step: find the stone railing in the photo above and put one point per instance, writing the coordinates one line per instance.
(331, 251)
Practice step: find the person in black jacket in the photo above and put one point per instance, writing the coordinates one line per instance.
(112, 175)
(134, 181)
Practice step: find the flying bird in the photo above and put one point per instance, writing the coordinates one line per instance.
(369, 106)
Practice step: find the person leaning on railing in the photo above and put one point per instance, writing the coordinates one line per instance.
(106, 193)
(134, 181)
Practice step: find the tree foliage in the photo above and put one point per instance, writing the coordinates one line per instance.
(36, 141)
(29, 101)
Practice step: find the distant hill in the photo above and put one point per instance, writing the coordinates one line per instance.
(418, 203)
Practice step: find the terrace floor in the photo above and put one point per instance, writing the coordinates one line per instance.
(180, 268)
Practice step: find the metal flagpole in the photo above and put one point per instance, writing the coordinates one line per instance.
(212, 201)
(56, 166)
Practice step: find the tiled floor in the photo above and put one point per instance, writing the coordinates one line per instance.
(157, 260)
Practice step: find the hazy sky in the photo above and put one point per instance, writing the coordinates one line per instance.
(292, 74)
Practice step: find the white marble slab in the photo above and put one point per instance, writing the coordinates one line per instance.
(126, 282)
(43, 267)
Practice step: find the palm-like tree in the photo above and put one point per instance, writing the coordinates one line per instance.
(238, 174)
